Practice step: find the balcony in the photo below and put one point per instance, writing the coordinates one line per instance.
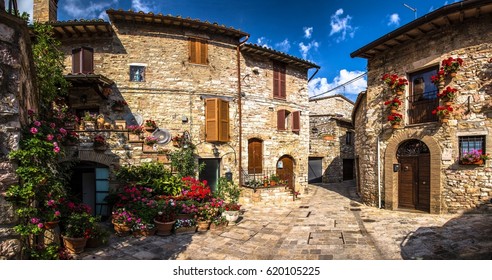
(420, 107)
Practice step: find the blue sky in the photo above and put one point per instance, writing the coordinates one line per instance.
(324, 32)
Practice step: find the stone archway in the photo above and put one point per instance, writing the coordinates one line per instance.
(391, 177)
(285, 170)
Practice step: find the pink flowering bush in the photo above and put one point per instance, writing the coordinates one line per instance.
(473, 156)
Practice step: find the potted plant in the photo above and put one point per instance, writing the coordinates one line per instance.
(185, 226)
(99, 142)
(473, 156)
(177, 141)
(395, 119)
(395, 83)
(52, 214)
(205, 214)
(219, 222)
(438, 79)
(89, 121)
(230, 193)
(393, 104)
(136, 132)
(118, 105)
(150, 125)
(451, 65)
(443, 112)
(145, 210)
(448, 95)
(167, 211)
(75, 231)
(123, 221)
(149, 144)
(98, 235)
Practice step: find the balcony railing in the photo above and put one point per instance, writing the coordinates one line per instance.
(421, 106)
(268, 178)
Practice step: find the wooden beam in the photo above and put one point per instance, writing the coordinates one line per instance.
(462, 16)
(477, 10)
(447, 20)
(434, 26)
(69, 34)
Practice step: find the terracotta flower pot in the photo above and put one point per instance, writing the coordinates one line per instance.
(75, 245)
(164, 228)
(122, 229)
(395, 125)
(51, 224)
(203, 225)
(452, 74)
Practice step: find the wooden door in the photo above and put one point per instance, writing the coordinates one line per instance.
(287, 171)
(315, 172)
(255, 156)
(423, 189)
(406, 182)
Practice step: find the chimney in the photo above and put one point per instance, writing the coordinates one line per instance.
(45, 10)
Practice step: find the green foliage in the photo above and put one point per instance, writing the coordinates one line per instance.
(168, 186)
(228, 191)
(78, 225)
(144, 174)
(49, 252)
(183, 161)
(48, 61)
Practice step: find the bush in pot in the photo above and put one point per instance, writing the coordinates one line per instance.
(76, 229)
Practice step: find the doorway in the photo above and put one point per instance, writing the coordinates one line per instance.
(90, 185)
(315, 173)
(285, 170)
(255, 156)
(210, 172)
(414, 175)
(348, 169)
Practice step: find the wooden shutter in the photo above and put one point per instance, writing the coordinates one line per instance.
(296, 121)
(87, 60)
(211, 118)
(198, 51)
(76, 57)
(279, 86)
(223, 120)
(281, 119)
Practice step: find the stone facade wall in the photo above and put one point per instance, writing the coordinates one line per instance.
(45, 10)
(174, 88)
(17, 94)
(330, 116)
(461, 187)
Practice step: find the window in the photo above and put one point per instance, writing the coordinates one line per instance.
(82, 60)
(137, 73)
(216, 120)
(279, 80)
(471, 145)
(289, 121)
(349, 136)
(198, 51)
(423, 97)
(102, 191)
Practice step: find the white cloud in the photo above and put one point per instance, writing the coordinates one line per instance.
(87, 10)
(141, 5)
(283, 46)
(305, 49)
(394, 19)
(308, 32)
(318, 86)
(264, 42)
(341, 26)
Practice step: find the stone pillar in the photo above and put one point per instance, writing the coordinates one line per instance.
(45, 10)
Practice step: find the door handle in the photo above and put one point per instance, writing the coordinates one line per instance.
(424, 182)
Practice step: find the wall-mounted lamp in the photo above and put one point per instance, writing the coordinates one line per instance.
(215, 151)
(314, 130)
(83, 98)
(184, 119)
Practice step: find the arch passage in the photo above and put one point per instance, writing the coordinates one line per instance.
(414, 177)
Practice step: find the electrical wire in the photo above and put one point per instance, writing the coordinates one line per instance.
(339, 86)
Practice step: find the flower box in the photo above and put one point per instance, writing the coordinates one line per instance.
(185, 230)
(149, 148)
(135, 138)
(478, 162)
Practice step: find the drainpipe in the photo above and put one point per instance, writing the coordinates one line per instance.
(240, 109)
(379, 174)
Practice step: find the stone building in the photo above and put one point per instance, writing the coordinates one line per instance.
(420, 165)
(17, 91)
(244, 107)
(331, 145)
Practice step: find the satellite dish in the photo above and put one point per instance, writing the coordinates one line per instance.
(163, 136)
(133, 119)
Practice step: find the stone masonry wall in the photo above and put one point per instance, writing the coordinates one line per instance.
(463, 187)
(329, 142)
(174, 88)
(17, 94)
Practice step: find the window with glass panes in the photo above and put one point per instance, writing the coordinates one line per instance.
(102, 190)
(469, 144)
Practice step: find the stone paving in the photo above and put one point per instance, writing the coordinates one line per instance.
(328, 223)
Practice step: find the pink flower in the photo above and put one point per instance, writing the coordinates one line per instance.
(56, 149)
(37, 123)
(55, 144)
(50, 137)
(52, 125)
(63, 131)
(51, 202)
(34, 130)
(30, 112)
(40, 225)
(57, 213)
(34, 220)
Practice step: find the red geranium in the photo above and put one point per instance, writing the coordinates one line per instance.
(452, 65)
(442, 110)
(449, 92)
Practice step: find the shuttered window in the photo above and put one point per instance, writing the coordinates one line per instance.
(288, 121)
(198, 51)
(82, 61)
(216, 120)
(279, 80)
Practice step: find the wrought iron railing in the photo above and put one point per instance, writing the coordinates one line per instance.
(420, 107)
(267, 178)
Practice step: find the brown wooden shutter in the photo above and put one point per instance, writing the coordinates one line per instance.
(276, 80)
(282, 93)
(193, 50)
(296, 121)
(211, 118)
(223, 114)
(198, 51)
(203, 52)
(76, 57)
(87, 60)
(281, 119)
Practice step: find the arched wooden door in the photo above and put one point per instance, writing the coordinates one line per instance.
(414, 175)
(285, 170)
(255, 156)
